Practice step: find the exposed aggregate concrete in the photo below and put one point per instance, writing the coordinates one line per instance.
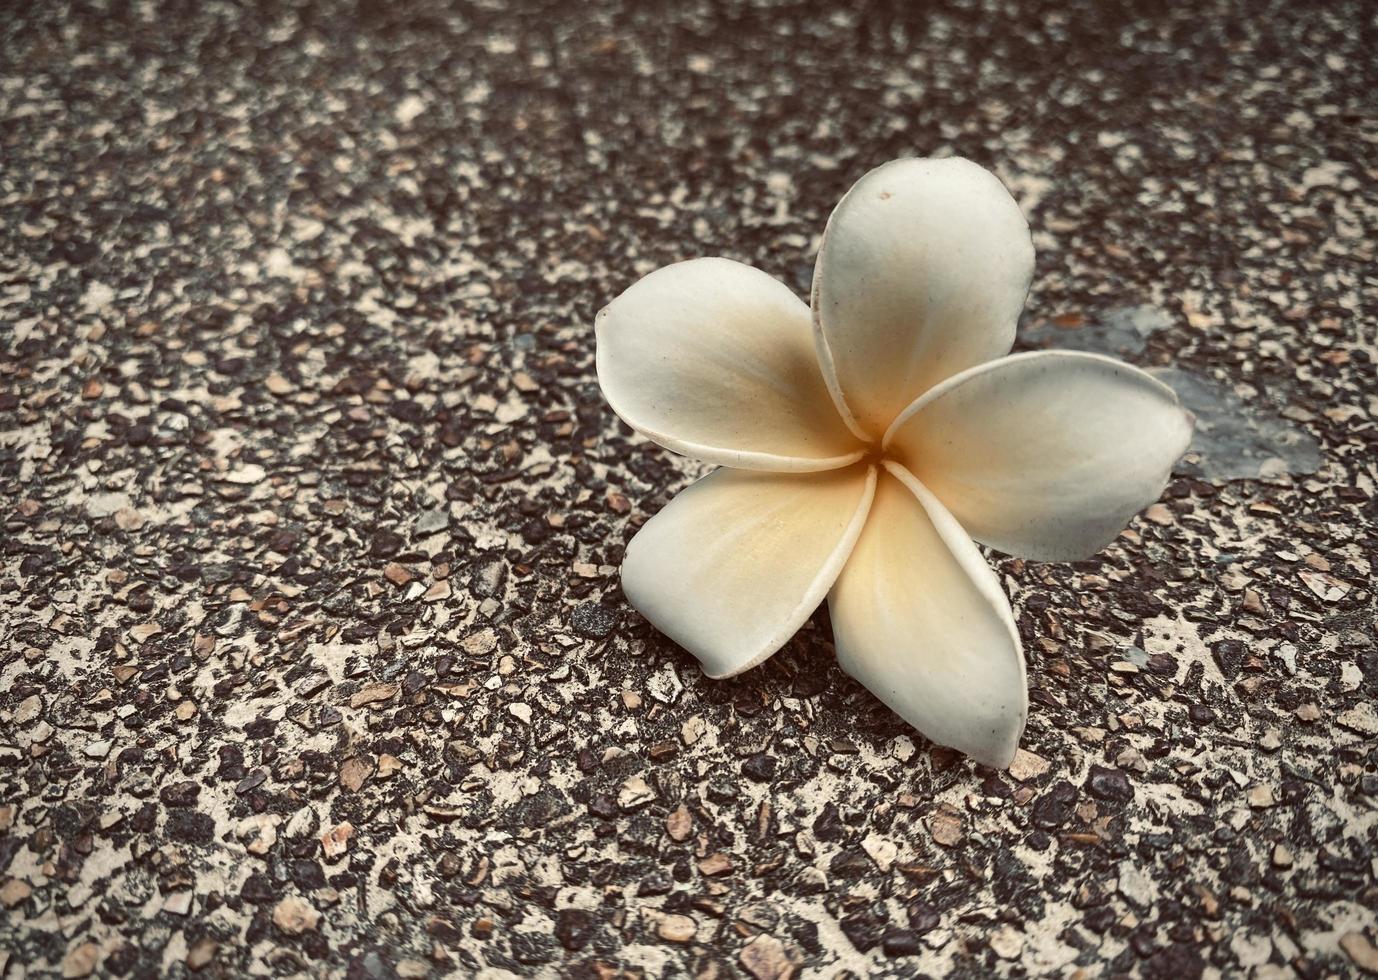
(312, 654)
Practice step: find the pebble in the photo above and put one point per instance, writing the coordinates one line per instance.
(14, 891)
(634, 793)
(295, 916)
(1308, 712)
(1360, 949)
(373, 694)
(676, 928)
(335, 841)
(354, 772)
(945, 826)
(1111, 785)
(1027, 766)
(574, 928)
(680, 823)
(201, 954)
(716, 863)
(765, 958)
(80, 961)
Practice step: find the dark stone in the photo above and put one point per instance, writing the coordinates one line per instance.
(593, 620)
(574, 928)
(850, 863)
(1229, 657)
(901, 942)
(258, 890)
(759, 768)
(828, 826)
(191, 827)
(864, 929)
(654, 884)
(1201, 714)
(923, 917)
(1054, 808)
(1111, 785)
(386, 543)
(180, 794)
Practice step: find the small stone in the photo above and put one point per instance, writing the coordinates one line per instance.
(1308, 712)
(180, 794)
(178, 903)
(1359, 949)
(260, 832)
(1027, 766)
(1271, 741)
(1261, 796)
(520, 711)
(80, 961)
(593, 621)
(901, 942)
(1111, 785)
(98, 750)
(440, 590)
(245, 475)
(335, 842)
(387, 765)
(14, 891)
(278, 385)
(396, 573)
(680, 823)
(765, 958)
(480, 644)
(760, 768)
(27, 710)
(574, 928)
(1160, 514)
(716, 863)
(676, 928)
(200, 955)
(635, 792)
(1282, 857)
(1327, 588)
(373, 694)
(144, 632)
(295, 915)
(945, 825)
(355, 772)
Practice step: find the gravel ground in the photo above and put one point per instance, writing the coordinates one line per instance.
(313, 658)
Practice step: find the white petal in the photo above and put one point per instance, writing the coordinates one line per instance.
(715, 359)
(1045, 455)
(736, 563)
(920, 619)
(923, 271)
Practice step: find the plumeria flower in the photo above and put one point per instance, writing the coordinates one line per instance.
(865, 446)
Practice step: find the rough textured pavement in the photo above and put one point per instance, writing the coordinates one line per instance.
(312, 654)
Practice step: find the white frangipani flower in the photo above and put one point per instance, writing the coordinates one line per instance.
(865, 445)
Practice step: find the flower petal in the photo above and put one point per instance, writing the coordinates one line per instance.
(924, 268)
(732, 567)
(1045, 455)
(920, 619)
(715, 359)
